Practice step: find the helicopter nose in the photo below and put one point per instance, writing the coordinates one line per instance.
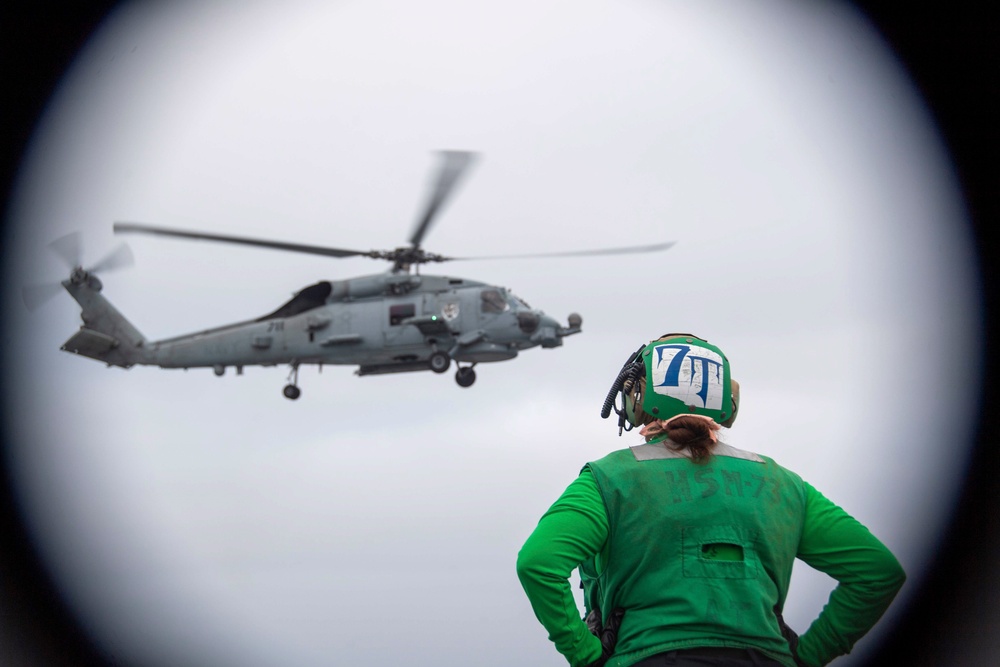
(549, 332)
(528, 321)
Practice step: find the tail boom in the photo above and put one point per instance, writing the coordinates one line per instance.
(105, 335)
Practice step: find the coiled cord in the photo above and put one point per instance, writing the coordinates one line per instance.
(633, 370)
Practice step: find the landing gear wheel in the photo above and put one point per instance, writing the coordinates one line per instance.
(291, 390)
(439, 362)
(465, 376)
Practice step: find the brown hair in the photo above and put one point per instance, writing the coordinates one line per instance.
(692, 433)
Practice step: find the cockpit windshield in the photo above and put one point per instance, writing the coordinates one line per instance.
(517, 302)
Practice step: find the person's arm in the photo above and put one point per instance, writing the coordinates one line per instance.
(572, 530)
(868, 577)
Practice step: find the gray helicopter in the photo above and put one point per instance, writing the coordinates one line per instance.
(393, 322)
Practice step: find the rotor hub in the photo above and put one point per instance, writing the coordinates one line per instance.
(405, 257)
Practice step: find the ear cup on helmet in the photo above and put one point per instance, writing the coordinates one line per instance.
(735, 403)
(633, 402)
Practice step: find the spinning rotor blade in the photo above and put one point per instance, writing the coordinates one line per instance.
(68, 248)
(119, 258)
(123, 227)
(34, 296)
(453, 165)
(656, 247)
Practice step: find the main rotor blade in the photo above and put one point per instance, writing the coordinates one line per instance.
(68, 248)
(126, 227)
(453, 165)
(118, 258)
(656, 247)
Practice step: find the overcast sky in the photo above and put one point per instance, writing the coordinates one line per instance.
(191, 519)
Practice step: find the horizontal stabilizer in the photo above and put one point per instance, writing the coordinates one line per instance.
(90, 343)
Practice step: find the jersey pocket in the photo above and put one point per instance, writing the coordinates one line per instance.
(719, 552)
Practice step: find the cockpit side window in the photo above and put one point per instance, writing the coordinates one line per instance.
(493, 301)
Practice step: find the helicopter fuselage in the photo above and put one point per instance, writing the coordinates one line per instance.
(383, 323)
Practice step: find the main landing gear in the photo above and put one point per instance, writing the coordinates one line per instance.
(439, 362)
(291, 390)
(465, 376)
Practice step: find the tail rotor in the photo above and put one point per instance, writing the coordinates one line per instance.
(119, 258)
(36, 296)
(69, 249)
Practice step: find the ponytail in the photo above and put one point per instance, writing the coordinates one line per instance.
(695, 433)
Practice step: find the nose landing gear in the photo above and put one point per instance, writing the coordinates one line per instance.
(465, 376)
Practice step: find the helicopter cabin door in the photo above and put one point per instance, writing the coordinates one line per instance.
(403, 340)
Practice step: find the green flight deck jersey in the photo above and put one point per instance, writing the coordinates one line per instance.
(700, 555)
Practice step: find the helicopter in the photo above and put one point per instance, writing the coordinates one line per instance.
(392, 322)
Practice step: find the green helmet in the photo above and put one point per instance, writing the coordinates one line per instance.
(673, 375)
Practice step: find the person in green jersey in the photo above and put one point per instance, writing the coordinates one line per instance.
(685, 544)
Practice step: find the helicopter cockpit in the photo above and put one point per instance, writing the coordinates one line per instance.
(516, 301)
(494, 301)
(500, 300)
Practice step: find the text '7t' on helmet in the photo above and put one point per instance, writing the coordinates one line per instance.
(673, 375)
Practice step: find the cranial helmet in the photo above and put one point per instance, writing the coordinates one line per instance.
(673, 375)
